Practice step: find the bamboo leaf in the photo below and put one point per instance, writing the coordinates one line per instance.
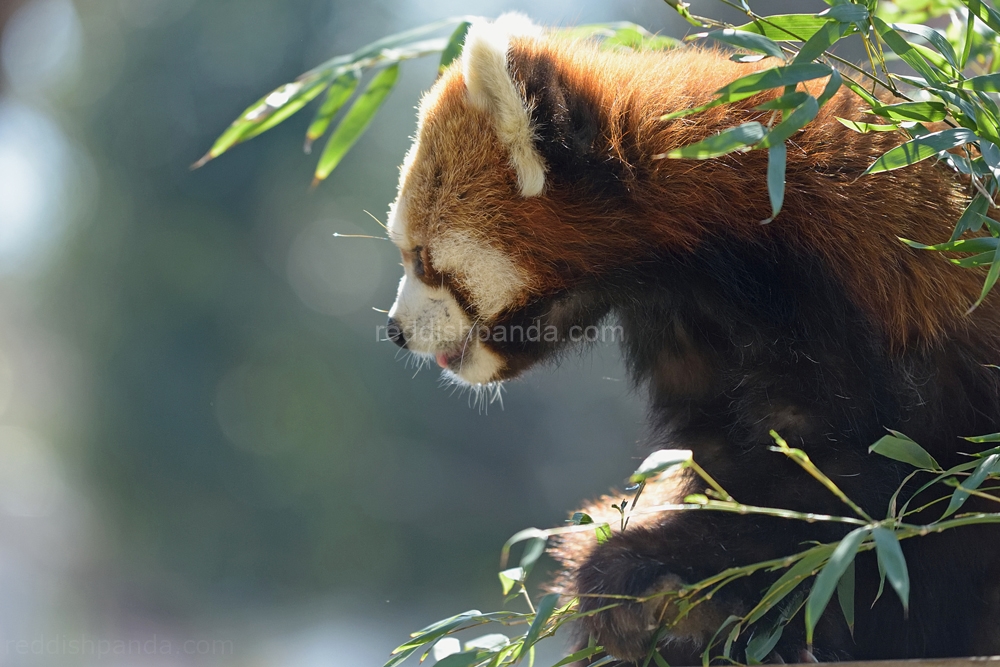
(509, 577)
(988, 83)
(786, 27)
(864, 128)
(784, 102)
(985, 13)
(900, 448)
(986, 467)
(460, 659)
(454, 46)
(905, 50)
(825, 37)
(792, 123)
(890, 557)
(846, 13)
(776, 158)
(921, 148)
(762, 643)
(977, 245)
(982, 259)
(789, 581)
(659, 461)
(935, 38)
(336, 96)
(578, 656)
(929, 112)
(829, 577)
(265, 113)
(746, 40)
(546, 607)
(725, 142)
(356, 121)
(775, 77)
(845, 595)
(831, 88)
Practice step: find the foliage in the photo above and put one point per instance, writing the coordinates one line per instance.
(948, 110)
(830, 566)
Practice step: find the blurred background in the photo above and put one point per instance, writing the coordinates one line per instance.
(206, 457)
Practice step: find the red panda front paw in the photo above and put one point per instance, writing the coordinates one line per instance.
(637, 597)
(627, 629)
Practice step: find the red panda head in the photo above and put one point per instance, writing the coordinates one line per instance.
(462, 190)
(535, 184)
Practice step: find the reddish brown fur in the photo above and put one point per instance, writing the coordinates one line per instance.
(849, 220)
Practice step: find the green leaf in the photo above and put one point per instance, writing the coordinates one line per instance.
(989, 83)
(991, 279)
(608, 659)
(725, 142)
(393, 42)
(762, 643)
(786, 27)
(935, 38)
(860, 91)
(659, 659)
(659, 461)
(454, 46)
(846, 13)
(775, 77)
(890, 555)
(490, 642)
(637, 38)
(603, 532)
(970, 32)
(786, 101)
(985, 13)
(900, 448)
(746, 40)
(992, 437)
(845, 595)
(904, 50)
(511, 576)
(986, 467)
(546, 607)
(829, 577)
(776, 156)
(437, 630)
(831, 88)
(790, 580)
(982, 259)
(792, 123)
(929, 112)
(824, 38)
(579, 655)
(864, 128)
(265, 113)
(532, 552)
(752, 84)
(921, 148)
(978, 244)
(461, 659)
(356, 121)
(339, 92)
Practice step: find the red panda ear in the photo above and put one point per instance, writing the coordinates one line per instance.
(491, 88)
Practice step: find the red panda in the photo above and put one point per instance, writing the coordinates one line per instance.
(533, 201)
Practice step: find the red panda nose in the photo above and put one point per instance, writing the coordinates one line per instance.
(395, 333)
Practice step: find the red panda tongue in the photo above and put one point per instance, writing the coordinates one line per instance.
(442, 359)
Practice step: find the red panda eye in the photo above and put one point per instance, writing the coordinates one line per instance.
(418, 261)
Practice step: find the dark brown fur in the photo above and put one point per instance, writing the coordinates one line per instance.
(820, 324)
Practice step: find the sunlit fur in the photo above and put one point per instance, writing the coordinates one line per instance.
(819, 324)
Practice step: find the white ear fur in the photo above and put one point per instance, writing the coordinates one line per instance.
(491, 88)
